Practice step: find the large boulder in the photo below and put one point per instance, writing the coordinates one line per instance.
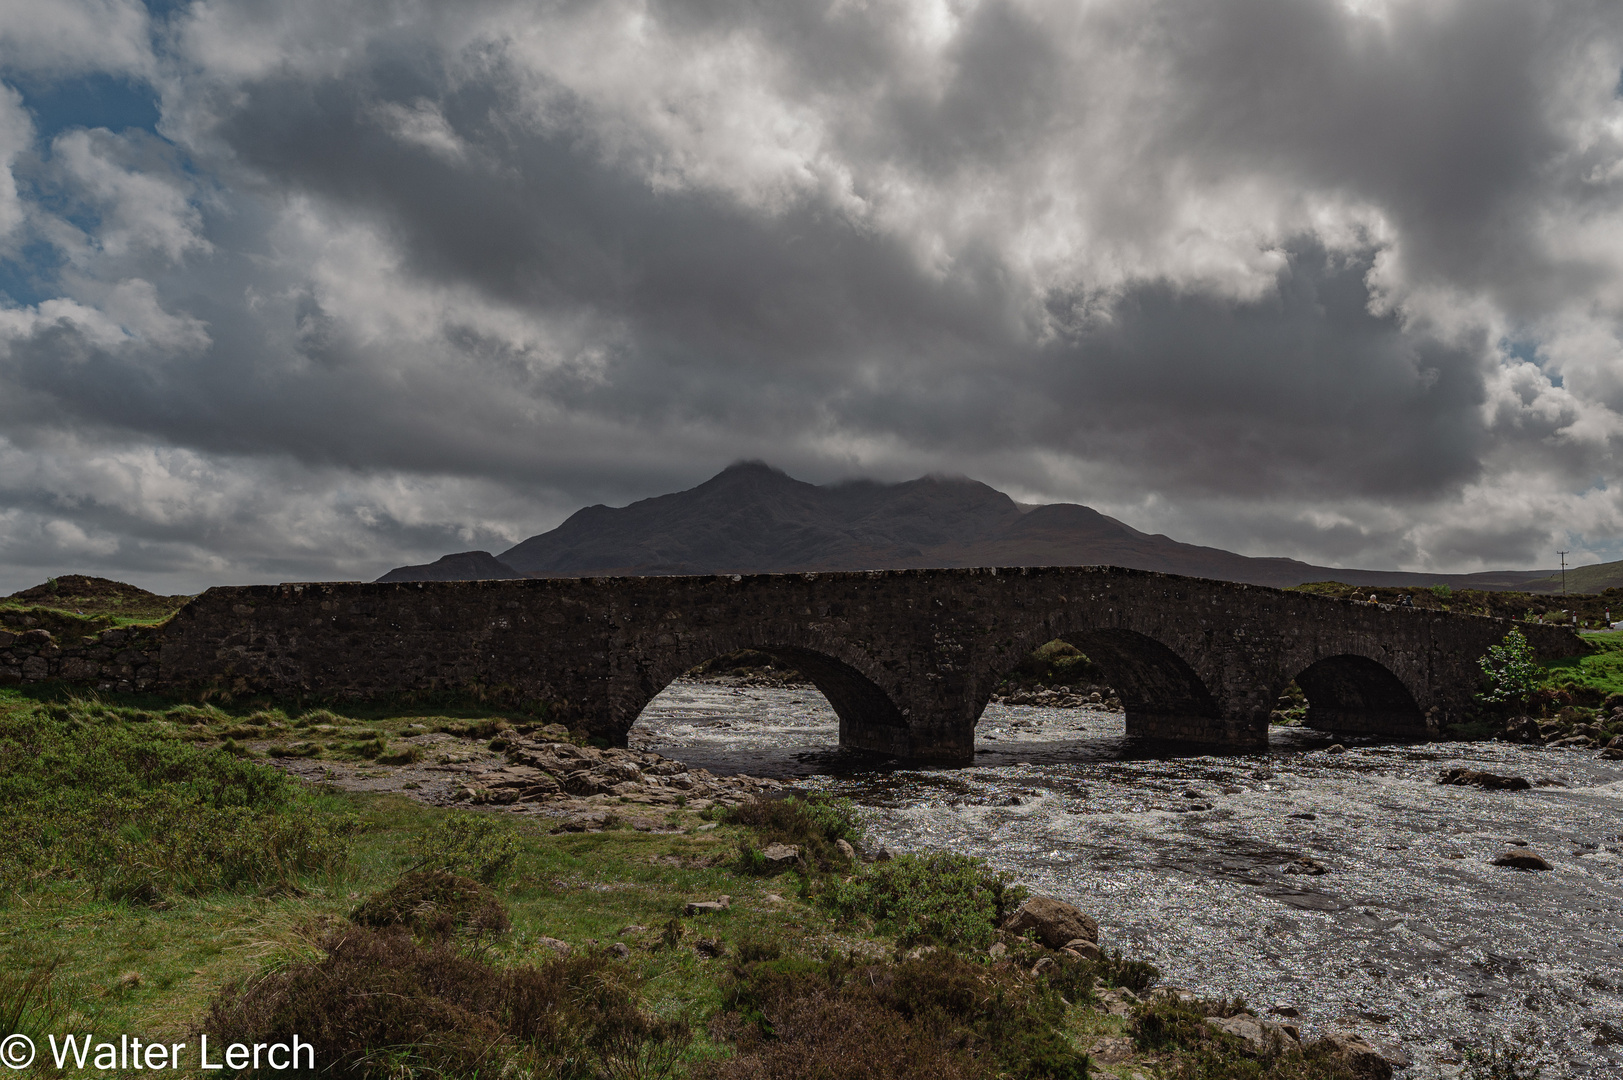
(1056, 922)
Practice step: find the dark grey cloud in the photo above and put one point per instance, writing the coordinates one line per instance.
(1321, 279)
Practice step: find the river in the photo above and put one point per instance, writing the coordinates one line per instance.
(1410, 936)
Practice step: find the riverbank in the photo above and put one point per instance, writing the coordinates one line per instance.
(201, 875)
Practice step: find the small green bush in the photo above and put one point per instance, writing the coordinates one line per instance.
(940, 898)
(813, 824)
(1510, 670)
(1076, 979)
(474, 845)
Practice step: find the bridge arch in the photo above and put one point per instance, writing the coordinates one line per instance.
(1358, 695)
(869, 717)
(1160, 691)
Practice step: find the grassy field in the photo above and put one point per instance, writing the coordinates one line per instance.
(1602, 669)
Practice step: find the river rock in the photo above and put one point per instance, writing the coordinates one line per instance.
(1260, 1035)
(1462, 777)
(1056, 922)
(1522, 860)
(1083, 949)
(1359, 1056)
(1522, 729)
(1305, 865)
(844, 847)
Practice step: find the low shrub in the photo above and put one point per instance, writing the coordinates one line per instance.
(936, 1016)
(1191, 1049)
(812, 824)
(473, 845)
(434, 904)
(141, 811)
(939, 898)
(380, 1003)
(1076, 980)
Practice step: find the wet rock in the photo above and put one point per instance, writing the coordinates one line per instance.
(1571, 740)
(706, 907)
(1360, 1057)
(1289, 1012)
(1055, 922)
(1522, 859)
(1305, 865)
(1611, 753)
(1335, 748)
(1461, 777)
(1523, 729)
(1259, 1035)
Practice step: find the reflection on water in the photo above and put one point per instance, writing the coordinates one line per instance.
(1410, 934)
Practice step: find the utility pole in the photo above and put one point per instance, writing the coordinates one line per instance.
(1563, 555)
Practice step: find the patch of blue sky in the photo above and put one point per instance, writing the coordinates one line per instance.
(1527, 350)
(28, 280)
(88, 101)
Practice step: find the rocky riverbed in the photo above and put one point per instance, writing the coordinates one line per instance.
(1335, 883)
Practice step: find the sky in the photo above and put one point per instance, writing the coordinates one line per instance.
(305, 289)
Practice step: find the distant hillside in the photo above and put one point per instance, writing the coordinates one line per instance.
(751, 518)
(463, 566)
(93, 596)
(1580, 579)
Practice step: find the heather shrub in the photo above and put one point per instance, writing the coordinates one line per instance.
(381, 1004)
(941, 898)
(935, 1016)
(434, 904)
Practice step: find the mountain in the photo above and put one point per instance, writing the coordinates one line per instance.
(463, 566)
(752, 518)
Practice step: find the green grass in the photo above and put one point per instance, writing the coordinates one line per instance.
(1602, 669)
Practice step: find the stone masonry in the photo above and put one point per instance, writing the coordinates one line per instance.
(907, 658)
(115, 659)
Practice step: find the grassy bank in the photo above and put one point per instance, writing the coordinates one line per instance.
(157, 882)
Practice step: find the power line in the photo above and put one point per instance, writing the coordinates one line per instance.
(1564, 555)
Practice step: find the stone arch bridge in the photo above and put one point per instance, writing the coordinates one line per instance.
(907, 658)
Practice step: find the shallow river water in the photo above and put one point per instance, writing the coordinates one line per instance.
(1411, 936)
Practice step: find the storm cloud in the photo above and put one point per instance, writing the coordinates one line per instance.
(308, 290)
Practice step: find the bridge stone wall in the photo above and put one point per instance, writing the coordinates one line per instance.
(907, 658)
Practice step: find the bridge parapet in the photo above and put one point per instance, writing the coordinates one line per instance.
(907, 658)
